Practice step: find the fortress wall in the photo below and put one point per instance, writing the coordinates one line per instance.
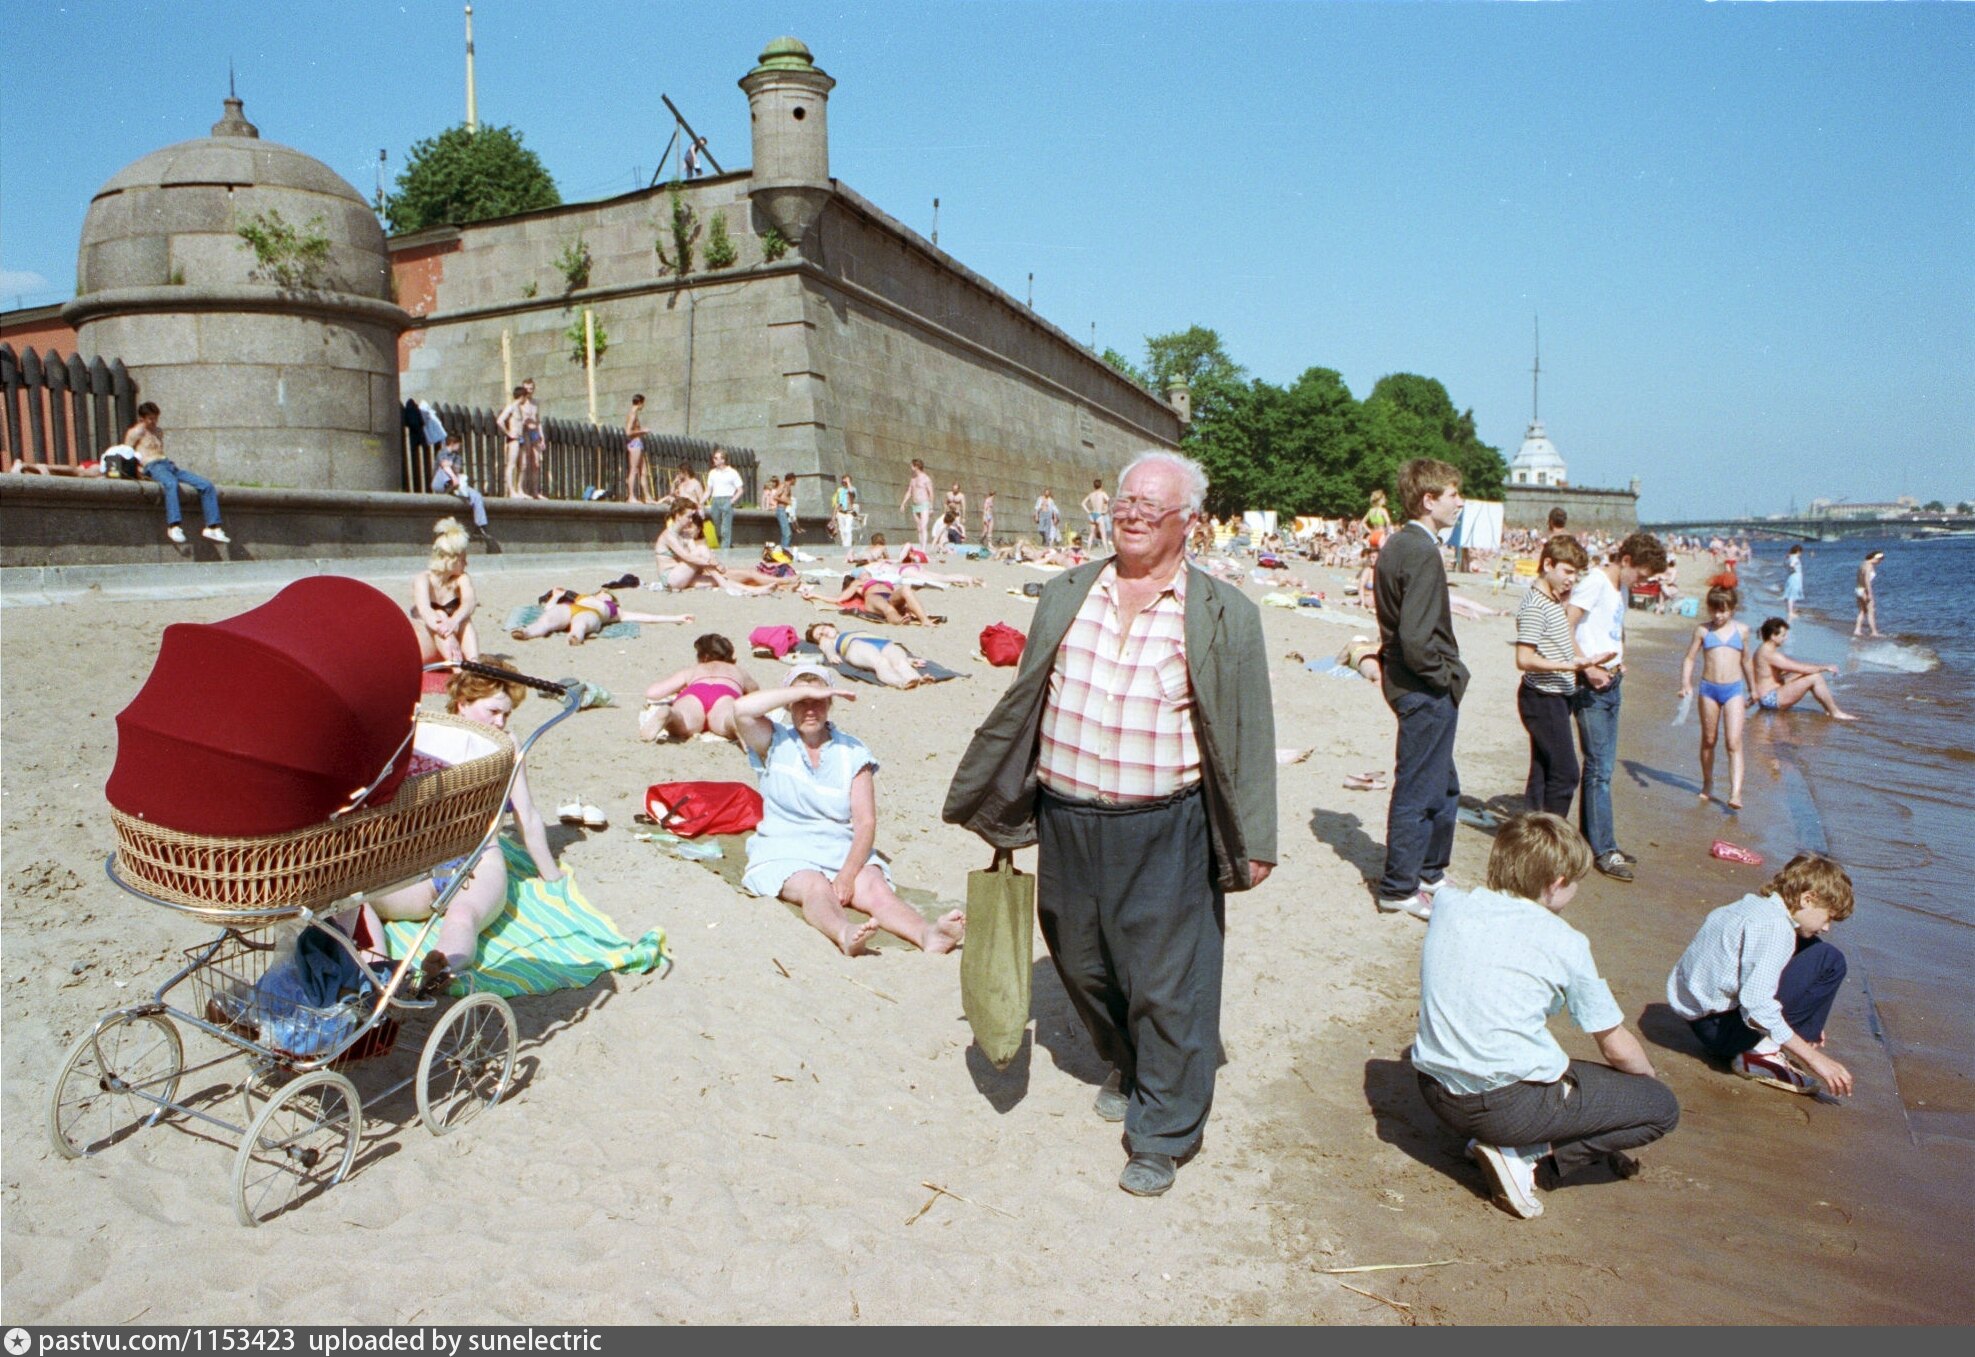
(1612, 511)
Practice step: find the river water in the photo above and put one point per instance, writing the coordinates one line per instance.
(1890, 795)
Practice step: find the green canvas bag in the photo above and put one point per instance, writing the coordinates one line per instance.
(996, 963)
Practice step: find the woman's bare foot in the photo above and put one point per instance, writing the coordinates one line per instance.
(1735, 801)
(1843, 716)
(854, 937)
(945, 933)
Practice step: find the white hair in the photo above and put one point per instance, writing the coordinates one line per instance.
(1190, 472)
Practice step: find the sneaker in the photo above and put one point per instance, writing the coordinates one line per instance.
(215, 534)
(1511, 1173)
(1614, 865)
(1419, 904)
(1149, 1174)
(176, 533)
(1772, 1069)
(1626, 857)
(1432, 888)
(1111, 1100)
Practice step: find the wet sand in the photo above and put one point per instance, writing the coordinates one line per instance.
(751, 1139)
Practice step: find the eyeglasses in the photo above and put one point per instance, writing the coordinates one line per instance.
(1145, 510)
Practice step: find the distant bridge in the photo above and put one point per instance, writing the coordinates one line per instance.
(1817, 529)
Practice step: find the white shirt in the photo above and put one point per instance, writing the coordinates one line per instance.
(1736, 962)
(1602, 628)
(1492, 971)
(723, 482)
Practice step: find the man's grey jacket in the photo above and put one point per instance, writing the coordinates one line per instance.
(994, 789)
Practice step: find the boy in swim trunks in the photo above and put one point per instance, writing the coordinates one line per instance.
(1781, 682)
(1726, 679)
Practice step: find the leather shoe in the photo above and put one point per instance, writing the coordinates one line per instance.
(1112, 1100)
(1614, 866)
(1148, 1174)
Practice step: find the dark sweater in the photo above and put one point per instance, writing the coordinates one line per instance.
(1417, 651)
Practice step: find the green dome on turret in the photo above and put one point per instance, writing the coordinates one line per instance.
(786, 54)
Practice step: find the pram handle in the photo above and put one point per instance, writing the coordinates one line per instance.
(511, 676)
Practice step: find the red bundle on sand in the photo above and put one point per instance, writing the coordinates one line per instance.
(271, 721)
(1001, 644)
(694, 809)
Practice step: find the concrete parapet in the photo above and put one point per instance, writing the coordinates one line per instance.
(50, 521)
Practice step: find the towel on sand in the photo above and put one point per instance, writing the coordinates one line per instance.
(549, 937)
(528, 612)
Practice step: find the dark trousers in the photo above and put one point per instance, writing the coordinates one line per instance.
(1134, 921)
(1426, 792)
(1552, 749)
(1807, 990)
(1583, 1117)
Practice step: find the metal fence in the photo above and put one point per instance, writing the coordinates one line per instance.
(62, 411)
(577, 458)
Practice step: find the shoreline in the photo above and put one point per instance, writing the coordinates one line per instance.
(746, 1139)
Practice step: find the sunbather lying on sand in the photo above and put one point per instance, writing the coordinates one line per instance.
(584, 615)
(895, 666)
(895, 603)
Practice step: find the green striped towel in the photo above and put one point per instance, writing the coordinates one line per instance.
(549, 937)
(526, 614)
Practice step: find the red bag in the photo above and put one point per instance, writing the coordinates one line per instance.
(694, 809)
(1001, 644)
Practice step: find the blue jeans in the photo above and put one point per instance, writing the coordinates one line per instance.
(1597, 733)
(1426, 793)
(171, 477)
(1807, 989)
(783, 526)
(722, 509)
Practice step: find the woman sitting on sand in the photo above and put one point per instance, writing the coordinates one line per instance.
(702, 695)
(686, 562)
(892, 602)
(490, 702)
(443, 599)
(895, 666)
(820, 821)
(584, 616)
(1782, 682)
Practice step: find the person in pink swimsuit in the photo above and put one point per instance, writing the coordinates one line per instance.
(702, 695)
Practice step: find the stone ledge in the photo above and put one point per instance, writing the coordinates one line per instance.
(49, 521)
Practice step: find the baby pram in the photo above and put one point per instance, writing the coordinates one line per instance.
(287, 991)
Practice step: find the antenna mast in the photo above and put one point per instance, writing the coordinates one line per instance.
(472, 104)
(1536, 371)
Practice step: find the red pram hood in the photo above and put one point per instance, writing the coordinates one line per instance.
(272, 720)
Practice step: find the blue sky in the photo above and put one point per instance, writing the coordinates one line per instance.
(1749, 229)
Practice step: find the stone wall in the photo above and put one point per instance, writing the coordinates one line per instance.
(876, 349)
(1611, 511)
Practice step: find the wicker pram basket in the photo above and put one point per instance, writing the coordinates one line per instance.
(434, 817)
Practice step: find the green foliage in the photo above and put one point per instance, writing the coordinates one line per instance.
(1310, 447)
(720, 251)
(574, 264)
(284, 254)
(1933, 506)
(684, 228)
(574, 334)
(177, 278)
(773, 245)
(1125, 366)
(460, 176)
(531, 289)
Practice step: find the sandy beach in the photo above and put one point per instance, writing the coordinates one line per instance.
(753, 1137)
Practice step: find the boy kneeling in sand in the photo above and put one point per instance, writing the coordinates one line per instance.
(1759, 980)
(1496, 964)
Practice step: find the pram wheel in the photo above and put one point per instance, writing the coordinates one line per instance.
(467, 1062)
(104, 1090)
(300, 1146)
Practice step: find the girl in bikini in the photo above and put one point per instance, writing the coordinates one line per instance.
(919, 495)
(1726, 680)
(702, 695)
(895, 666)
(634, 452)
(584, 616)
(443, 599)
(891, 602)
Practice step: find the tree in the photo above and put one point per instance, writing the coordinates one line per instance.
(1933, 506)
(463, 176)
(1124, 365)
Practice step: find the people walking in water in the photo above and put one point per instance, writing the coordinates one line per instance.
(1793, 583)
(1781, 682)
(1868, 602)
(1727, 675)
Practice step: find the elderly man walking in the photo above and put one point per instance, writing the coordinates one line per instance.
(1136, 746)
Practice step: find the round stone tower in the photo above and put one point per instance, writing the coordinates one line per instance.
(276, 366)
(788, 104)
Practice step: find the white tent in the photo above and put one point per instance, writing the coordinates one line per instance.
(1479, 528)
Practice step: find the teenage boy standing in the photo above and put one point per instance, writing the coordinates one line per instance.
(1597, 610)
(1423, 679)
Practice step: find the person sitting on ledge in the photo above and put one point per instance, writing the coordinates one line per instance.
(148, 442)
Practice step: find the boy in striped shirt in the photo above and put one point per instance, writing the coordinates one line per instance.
(1758, 980)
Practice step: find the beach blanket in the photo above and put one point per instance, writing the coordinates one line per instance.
(809, 653)
(527, 613)
(549, 937)
(1338, 615)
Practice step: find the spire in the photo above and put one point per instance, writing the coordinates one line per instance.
(233, 122)
(1536, 371)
